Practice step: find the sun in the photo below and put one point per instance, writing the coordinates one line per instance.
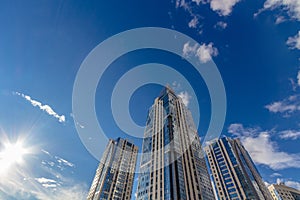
(12, 154)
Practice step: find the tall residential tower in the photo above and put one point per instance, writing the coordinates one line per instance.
(172, 164)
(234, 173)
(115, 173)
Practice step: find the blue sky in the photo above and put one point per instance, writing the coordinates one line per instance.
(255, 45)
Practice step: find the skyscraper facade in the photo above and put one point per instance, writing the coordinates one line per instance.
(172, 164)
(282, 192)
(115, 173)
(234, 173)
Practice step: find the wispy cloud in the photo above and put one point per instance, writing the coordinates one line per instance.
(189, 50)
(280, 19)
(294, 42)
(204, 52)
(185, 97)
(46, 108)
(194, 22)
(286, 106)
(197, 1)
(64, 162)
(293, 84)
(289, 134)
(223, 7)
(292, 7)
(220, 25)
(238, 130)
(281, 107)
(45, 180)
(41, 180)
(191, 8)
(293, 184)
(57, 161)
(76, 122)
(46, 152)
(262, 149)
(276, 175)
(298, 78)
(47, 183)
(176, 86)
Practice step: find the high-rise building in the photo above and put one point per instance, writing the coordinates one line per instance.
(234, 173)
(172, 164)
(282, 192)
(115, 173)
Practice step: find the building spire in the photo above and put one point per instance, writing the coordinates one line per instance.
(167, 89)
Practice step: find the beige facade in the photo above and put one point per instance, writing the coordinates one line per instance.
(283, 192)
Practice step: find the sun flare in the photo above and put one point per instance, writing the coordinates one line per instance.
(12, 154)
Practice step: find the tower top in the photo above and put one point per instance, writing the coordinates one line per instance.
(167, 89)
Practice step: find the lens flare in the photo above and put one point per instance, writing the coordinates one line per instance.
(12, 154)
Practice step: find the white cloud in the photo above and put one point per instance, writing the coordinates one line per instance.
(34, 180)
(294, 85)
(239, 130)
(294, 42)
(194, 22)
(57, 161)
(45, 180)
(64, 162)
(76, 122)
(280, 107)
(286, 106)
(223, 7)
(185, 97)
(276, 174)
(291, 6)
(203, 52)
(176, 86)
(188, 50)
(81, 126)
(47, 183)
(189, 7)
(221, 25)
(298, 78)
(289, 134)
(197, 1)
(293, 184)
(46, 152)
(46, 108)
(267, 184)
(290, 183)
(280, 19)
(183, 4)
(262, 149)
(279, 181)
